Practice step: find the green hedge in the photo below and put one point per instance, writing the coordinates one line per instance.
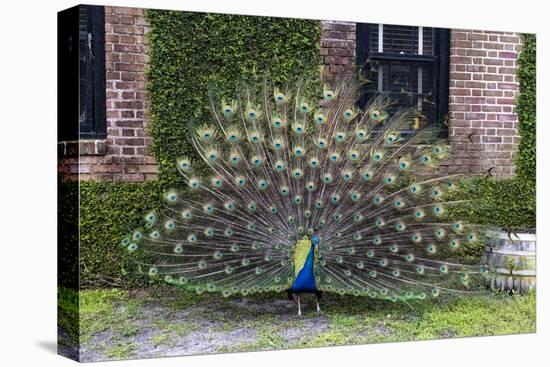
(107, 213)
(509, 204)
(526, 110)
(191, 53)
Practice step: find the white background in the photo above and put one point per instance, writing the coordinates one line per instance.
(28, 182)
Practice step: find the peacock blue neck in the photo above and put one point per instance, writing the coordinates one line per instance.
(305, 280)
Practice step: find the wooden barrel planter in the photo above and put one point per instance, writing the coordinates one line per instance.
(510, 259)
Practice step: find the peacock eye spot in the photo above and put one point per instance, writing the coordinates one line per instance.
(375, 115)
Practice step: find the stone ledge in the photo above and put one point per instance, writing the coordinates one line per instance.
(75, 148)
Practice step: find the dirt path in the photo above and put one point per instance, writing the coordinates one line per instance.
(119, 325)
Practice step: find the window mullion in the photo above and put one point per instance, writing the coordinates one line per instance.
(419, 79)
(380, 49)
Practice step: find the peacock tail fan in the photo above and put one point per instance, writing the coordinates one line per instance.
(284, 163)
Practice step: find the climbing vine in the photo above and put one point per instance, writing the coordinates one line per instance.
(192, 53)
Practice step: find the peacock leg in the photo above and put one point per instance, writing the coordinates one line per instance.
(318, 308)
(299, 309)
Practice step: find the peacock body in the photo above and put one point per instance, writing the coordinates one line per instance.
(307, 193)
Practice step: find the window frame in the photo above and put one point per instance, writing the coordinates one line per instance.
(95, 124)
(439, 62)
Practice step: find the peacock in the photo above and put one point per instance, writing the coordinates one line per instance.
(297, 189)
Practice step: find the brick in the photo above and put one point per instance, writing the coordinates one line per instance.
(493, 77)
(506, 132)
(507, 117)
(129, 123)
(460, 92)
(474, 100)
(472, 52)
(493, 62)
(148, 169)
(507, 55)
(477, 37)
(460, 60)
(461, 76)
(474, 116)
(509, 39)
(493, 45)
(127, 20)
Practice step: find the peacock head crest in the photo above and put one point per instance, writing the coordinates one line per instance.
(315, 240)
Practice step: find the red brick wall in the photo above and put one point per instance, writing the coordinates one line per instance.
(483, 86)
(124, 154)
(337, 47)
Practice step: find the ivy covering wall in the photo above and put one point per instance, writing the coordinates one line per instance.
(192, 53)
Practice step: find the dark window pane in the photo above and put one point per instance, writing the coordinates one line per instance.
(401, 79)
(400, 39)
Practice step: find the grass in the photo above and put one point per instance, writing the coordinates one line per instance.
(119, 324)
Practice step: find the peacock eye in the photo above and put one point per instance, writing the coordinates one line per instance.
(375, 115)
(227, 110)
(251, 114)
(348, 114)
(304, 107)
(184, 164)
(329, 95)
(320, 118)
(279, 97)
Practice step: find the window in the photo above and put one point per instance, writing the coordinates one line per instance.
(81, 73)
(92, 71)
(409, 63)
